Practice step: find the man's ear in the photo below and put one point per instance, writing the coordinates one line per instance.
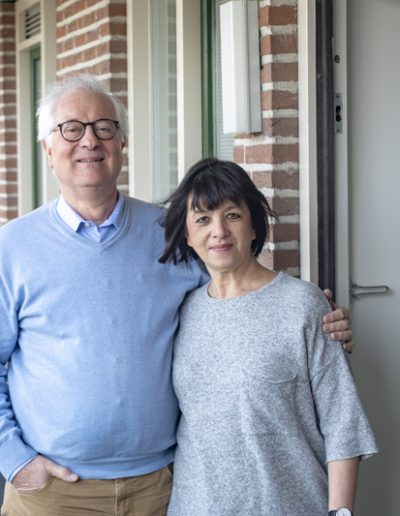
(48, 150)
(124, 141)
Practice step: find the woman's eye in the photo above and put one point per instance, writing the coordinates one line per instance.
(202, 220)
(233, 216)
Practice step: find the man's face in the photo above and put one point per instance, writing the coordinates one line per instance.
(89, 163)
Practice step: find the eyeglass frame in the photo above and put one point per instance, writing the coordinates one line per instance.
(85, 124)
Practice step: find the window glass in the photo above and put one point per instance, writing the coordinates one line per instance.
(223, 142)
(37, 179)
(164, 100)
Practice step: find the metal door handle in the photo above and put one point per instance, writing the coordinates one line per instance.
(357, 291)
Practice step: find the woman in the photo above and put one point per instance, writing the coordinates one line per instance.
(271, 422)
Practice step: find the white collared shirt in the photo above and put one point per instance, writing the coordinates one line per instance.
(88, 228)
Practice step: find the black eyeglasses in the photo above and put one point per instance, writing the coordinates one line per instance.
(73, 130)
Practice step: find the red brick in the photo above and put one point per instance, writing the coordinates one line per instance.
(7, 59)
(258, 154)
(118, 47)
(279, 44)
(117, 9)
(8, 176)
(8, 98)
(271, 153)
(9, 189)
(285, 259)
(238, 153)
(276, 179)
(284, 232)
(119, 85)
(9, 163)
(8, 213)
(274, 72)
(278, 15)
(280, 127)
(8, 124)
(117, 29)
(284, 206)
(118, 65)
(279, 99)
(88, 55)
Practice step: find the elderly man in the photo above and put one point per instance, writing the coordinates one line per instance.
(87, 320)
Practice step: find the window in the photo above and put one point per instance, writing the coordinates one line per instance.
(215, 142)
(35, 81)
(36, 67)
(174, 92)
(163, 97)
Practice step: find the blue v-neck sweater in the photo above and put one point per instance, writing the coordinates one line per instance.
(87, 329)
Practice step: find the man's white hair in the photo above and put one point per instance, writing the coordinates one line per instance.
(47, 105)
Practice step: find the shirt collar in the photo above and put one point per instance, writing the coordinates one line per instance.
(74, 220)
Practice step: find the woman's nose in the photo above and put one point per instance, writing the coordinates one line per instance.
(219, 228)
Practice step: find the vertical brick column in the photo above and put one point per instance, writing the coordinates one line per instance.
(271, 157)
(91, 38)
(8, 115)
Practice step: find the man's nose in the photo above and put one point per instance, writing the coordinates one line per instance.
(89, 139)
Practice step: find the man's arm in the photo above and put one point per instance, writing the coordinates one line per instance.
(19, 463)
(337, 324)
(342, 481)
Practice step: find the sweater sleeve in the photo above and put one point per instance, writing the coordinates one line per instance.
(14, 453)
(342, 420)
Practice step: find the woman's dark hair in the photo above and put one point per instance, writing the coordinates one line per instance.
(209, 183)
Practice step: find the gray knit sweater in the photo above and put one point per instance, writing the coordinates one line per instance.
(267, 399)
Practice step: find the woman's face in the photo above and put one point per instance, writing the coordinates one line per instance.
(222, 237)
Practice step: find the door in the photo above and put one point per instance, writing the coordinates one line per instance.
(373, 109)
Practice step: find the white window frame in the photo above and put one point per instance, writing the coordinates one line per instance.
(189, 109)
(46, 40)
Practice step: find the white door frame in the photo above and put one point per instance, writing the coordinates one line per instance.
(342, 220)
(308, 141)
(308, 145)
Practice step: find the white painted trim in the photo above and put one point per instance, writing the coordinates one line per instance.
(139, 149)
(188, 48)
(307, 141)
(188, 16)
(48, 57)
(342, 219)
(46, 39)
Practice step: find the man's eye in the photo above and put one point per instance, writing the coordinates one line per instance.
(104, 129)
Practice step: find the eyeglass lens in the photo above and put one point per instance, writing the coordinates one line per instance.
(74, 130)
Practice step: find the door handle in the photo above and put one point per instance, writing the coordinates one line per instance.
(357, 291)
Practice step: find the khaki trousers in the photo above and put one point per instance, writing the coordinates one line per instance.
(145, 495)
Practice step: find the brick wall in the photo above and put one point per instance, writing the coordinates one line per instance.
(8, 116)
(271, 157)
(91, 37)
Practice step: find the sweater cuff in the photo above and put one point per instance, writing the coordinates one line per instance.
(14, 455)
